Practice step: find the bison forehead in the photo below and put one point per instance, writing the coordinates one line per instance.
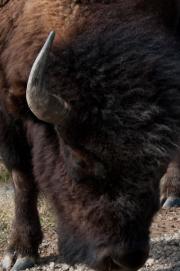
(111, 62)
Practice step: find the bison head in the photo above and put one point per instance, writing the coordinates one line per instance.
(112, 97)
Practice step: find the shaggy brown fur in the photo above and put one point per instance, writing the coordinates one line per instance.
(117, 64)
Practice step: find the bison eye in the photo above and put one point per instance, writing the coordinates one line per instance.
(81, 164)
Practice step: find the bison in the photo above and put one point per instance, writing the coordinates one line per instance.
(170, 184)
(93, 123)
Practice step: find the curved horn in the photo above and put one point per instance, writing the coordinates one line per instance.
(45, 106)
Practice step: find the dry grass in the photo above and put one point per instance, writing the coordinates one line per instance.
(6, 214)
(4, 174)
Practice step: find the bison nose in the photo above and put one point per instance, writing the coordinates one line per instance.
(130, 259)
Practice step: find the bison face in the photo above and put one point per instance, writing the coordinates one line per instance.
(105, 217)
(113, 153)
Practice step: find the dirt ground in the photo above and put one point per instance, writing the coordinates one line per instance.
(166, 223)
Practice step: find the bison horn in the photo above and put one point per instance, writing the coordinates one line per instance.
(45, 105)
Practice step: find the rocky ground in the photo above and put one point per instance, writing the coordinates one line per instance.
(165, 238)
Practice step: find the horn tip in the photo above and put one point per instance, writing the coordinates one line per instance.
(52, 35)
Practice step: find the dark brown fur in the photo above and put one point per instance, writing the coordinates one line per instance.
(117, 63)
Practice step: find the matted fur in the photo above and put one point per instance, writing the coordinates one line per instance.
(117, 64)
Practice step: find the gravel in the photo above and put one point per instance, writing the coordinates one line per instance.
(164, 256)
